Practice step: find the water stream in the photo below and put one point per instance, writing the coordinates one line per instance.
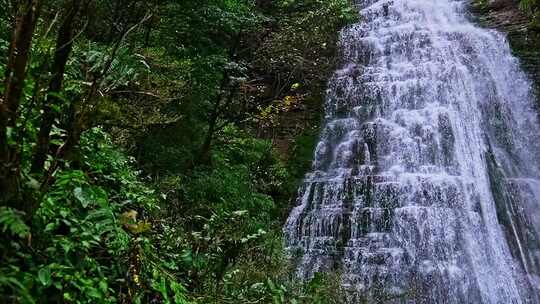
(425, 185)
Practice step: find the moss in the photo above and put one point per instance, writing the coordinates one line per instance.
(480, 5)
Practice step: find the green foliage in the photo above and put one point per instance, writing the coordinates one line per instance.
(88, 248)
(131, 213)
(207, 26)
(11, 221)
(4, 30)
(303, 46)
(530, 6)
(301, 154)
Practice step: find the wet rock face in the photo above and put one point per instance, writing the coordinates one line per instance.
(425, 184)
(524, 38)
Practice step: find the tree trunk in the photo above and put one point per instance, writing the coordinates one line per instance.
(148, 33)
(25, 23)
(65, 151)
(204, 155)
(64, 45)
(219, 108)
(206, 149)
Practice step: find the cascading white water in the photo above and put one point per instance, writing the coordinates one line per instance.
(425, 185)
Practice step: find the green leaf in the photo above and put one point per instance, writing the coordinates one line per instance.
(87, 195)
(187, 256)
(11, 136)
(103, 286)
(32, 183)
(68, 296)
(44, 276)
(50, 227)
(82, 196)
(94, 293)
(58, 285)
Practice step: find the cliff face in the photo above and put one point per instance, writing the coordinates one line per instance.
(524, 38)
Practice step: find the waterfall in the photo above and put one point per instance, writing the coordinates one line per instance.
(425, 186)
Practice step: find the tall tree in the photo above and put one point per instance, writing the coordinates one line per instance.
(15, 75)
(64, 45)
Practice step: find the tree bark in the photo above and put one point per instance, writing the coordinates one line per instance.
(64, 45)
(15, 75)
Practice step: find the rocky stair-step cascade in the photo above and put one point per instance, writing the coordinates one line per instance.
(425, 184)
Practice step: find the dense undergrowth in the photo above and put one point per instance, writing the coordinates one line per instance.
(532, 9)
(131, 170)
(530, 6)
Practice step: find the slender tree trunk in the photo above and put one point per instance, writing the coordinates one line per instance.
(213, 127)
(147, 35)
(206, 149)
(19, 51)
(204, 154)
(64, 45)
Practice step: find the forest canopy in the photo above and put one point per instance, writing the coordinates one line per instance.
(150, 150)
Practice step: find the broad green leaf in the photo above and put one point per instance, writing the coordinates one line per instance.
(44, 276)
